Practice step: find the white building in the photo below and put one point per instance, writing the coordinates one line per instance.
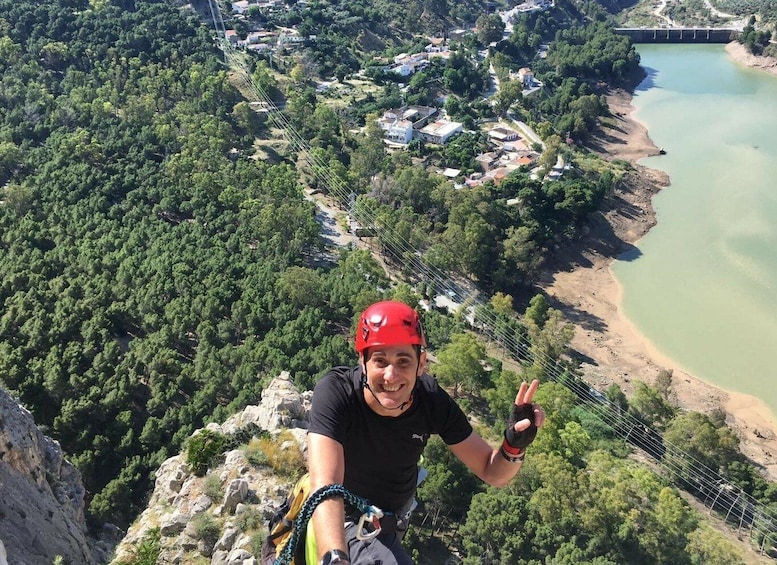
(440, 131)
(502, 134)
(401, 69)
(526, 76)
(406, 65)
(240, 7)
(396, 128)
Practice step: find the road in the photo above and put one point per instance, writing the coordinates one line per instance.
(659, 12)
(526, 130)
(332, 232)
(736, 21)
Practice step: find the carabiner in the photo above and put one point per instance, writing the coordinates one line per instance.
(373, 514)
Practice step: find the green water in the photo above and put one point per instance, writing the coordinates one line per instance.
(702, 285)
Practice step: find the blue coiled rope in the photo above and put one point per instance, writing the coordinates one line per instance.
(306, 512)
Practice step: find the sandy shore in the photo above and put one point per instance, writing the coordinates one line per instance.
(740, 55)
(585, 289)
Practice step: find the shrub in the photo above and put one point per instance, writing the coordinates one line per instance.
(257, 542)
(251, 519)
(283, 454)
(212, 488)
(202, 449)
(148, 548)
(206, 528)
(255, 453)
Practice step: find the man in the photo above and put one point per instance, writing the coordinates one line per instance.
(368, 428)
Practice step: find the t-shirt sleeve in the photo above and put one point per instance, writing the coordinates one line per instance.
(329, 408)
(455, 426)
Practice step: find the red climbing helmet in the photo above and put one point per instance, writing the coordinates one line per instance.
(389, 323)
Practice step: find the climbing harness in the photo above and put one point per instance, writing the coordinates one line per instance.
(371, 516)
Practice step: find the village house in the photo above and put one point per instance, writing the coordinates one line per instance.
(419, 115)
(292, 39)
(497, 166)
(451, 173)
(437, 45)
(232, 36)
(458, 34)
(526, 76)
(400, 124)
(441, 131)
(533, 6)
(273, 5)
(240, 7)
(513, 161)
(494, 175)
(396, 130)
(501, 134)
(406, 65)
(488, 160)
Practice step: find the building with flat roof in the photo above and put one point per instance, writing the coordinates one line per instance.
(396, 130)
(502, 134)
(401, 124)
(440, 131)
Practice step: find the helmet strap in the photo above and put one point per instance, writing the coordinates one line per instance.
(400, 407)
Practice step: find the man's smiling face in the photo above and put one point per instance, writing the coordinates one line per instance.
(391, 373)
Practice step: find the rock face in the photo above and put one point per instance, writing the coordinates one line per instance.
(41, 495)
(221, 518)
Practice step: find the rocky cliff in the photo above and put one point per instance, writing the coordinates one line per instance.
(41, 496)
(220, 517)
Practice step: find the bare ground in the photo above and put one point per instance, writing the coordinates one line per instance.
(739, 54)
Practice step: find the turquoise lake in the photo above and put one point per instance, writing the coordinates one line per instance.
(702, 285)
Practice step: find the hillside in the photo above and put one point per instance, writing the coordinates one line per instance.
(160, 263)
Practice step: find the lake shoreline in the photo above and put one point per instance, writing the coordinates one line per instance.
(740, 55)
(581, 284)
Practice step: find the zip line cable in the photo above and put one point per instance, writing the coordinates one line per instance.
(624, 424)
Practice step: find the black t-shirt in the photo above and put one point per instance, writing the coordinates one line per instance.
(382, 452)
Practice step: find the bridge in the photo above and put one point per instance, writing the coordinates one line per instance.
(679, 34)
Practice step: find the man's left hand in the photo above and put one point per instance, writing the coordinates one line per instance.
(526, 417)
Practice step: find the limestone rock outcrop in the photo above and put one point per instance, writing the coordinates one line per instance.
(221, 517)
(41, 496)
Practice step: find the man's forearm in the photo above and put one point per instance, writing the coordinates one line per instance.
(329, 526)
(500, 470)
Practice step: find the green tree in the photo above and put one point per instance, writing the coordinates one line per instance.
(460, 364)
(559, 500)
(510, 92)
(692, 433)
(708, 547)
(649, 406)
(368, 158)
(494, 530)
(549, 333)
(558, 403)
(490, 28)
(521, 255)
(449, 486)
(301, 286)
(664, 383)
(666, 532)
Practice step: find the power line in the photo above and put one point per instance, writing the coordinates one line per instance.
(681, 465)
